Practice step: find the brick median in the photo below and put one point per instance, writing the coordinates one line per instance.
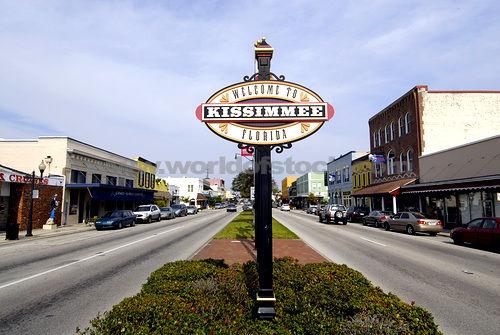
(243, 250)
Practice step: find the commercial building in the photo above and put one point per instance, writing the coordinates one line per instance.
(95, 180)
(361, 178)
(15, 198)
(310, 184)
(422, 122)
(190, 190)
(285, 185)
(217, 188)
(339, 173)
(459, 184)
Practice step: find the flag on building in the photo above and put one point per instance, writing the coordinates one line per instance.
(376, 158)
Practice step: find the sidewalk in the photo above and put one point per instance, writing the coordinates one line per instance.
(243, 250)
(40, 233)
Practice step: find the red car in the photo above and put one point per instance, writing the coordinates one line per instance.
(483, 232)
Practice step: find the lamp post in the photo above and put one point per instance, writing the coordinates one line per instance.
(29, 229)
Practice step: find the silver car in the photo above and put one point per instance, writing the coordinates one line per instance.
(335, 213)
(412, 222)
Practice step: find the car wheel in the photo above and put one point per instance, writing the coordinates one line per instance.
(344, 222)
(98, 228)
(458, 241)
(377, 224)
(120, 226)
(320, 219)
(410, 230)
(132, 224)
(387, 226)
(433, 234)
(364, 222)
(150, 219)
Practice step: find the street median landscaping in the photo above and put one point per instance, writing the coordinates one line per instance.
(209, 297)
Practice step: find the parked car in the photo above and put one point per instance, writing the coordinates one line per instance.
(218, 206)
(247, 207)
(179, 209)
(311, 209)
(192, 210)
(147, 213)
(484, 232)
(232, 208)
(285, 207)
(357, 213)
(115, 219)
(377, 218)
(167, 213)
(335, 213)
(412, 222)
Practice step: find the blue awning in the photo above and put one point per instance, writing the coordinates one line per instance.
(105, 192)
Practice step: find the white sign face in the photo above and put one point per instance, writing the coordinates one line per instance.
(35, 194)
(264, 112)
(252, 193)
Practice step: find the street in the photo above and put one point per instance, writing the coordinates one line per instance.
(53, 285)
(460, 286)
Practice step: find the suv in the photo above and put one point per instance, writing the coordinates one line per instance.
(335, 213)
(312, 209)
(147, 213)
(357, 213)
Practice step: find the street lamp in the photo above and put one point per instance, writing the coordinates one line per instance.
(29, 229)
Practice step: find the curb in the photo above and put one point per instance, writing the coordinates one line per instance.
(22, 239)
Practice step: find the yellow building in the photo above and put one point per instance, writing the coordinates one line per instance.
(285, 184)
(361, 176)
(146, 177)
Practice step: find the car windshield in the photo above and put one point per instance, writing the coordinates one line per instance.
(177, 206)
(143, 209)
(113, 214)
(338, 208)
(418, 215)
(165, 209)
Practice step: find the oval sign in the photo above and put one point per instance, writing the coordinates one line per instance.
(264, 112)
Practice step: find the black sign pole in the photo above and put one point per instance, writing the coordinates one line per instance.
(263, 203)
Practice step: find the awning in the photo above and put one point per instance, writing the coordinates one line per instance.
(390, 187)
(163, 195)
(105, 192)
(201, 197)
(459, 185)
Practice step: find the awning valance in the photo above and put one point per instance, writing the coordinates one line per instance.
(390, 187)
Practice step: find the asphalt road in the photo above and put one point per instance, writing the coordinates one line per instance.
(53, 285)
(459, 285)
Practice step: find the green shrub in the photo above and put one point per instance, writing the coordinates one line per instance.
(207, 297)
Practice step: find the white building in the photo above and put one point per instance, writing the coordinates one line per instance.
(96, 180)
(190, 190)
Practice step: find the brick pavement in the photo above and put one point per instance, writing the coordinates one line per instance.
(243, 250)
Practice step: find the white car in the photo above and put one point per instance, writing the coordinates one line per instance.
(147, 213)
(285, 207)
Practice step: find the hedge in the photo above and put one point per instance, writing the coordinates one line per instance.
(208, 297)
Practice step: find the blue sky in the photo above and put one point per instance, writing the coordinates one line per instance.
(128, 75)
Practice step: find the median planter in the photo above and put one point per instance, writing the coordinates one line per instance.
(208, 297)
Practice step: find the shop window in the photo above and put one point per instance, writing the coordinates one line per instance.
(407, 123)
(409, 157)
(96, 178)
(78, 177)
(390, 163)
(110, 180)
(402, 162)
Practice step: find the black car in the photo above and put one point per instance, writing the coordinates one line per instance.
(356, 213)
(232, 208)
(377, 218)
(116, 219)
(179, 209)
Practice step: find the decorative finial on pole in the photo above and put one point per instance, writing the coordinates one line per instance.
(263, 55)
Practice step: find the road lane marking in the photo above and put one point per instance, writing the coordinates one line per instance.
(373, 241)
(102, 253)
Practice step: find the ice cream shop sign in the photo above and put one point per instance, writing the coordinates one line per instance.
(267, 112)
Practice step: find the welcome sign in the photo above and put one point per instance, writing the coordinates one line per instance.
(264, 112)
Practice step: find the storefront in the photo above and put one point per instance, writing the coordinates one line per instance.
(88, 201)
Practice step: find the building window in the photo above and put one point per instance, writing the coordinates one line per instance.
(380, 136)
(407, 123)
(129, 183)
(401, 125)
(110, 180)
(402, 162)
(386, 133)
(190, 188)
(390, 163)
(78, 177)
(393, 131)
(410, 159)
(374, 139)
(96, 178)
(347, 174)
(378, 169)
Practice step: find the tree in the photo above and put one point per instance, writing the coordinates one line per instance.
(312, 199)
(242, 183)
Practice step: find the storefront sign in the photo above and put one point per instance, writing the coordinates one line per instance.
(264, 112)
(12, 177)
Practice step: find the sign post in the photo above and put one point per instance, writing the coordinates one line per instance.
(263, 113)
